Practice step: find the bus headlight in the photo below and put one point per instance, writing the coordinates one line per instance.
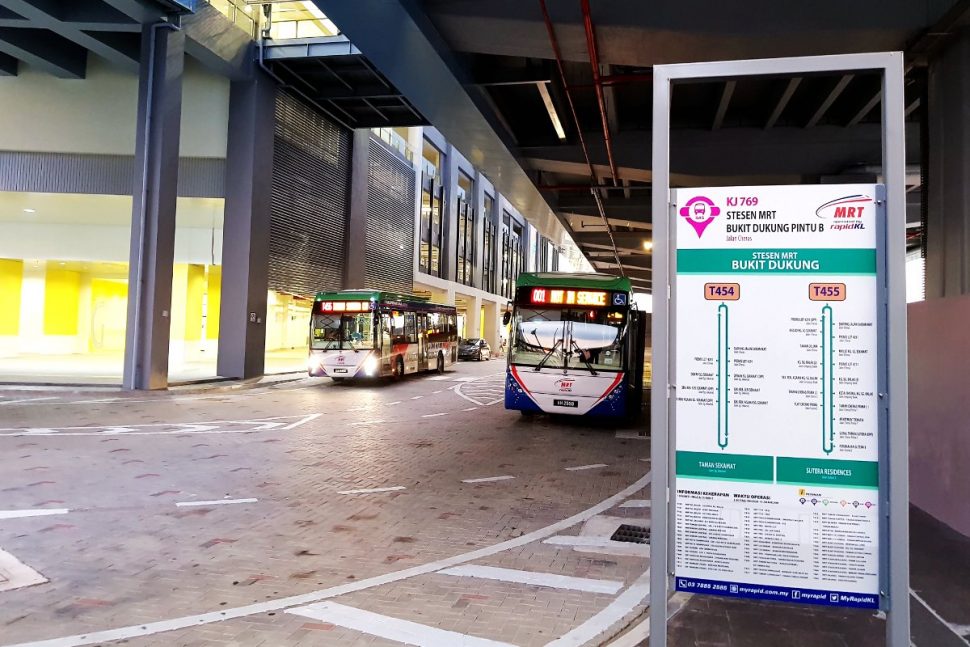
(370, 365)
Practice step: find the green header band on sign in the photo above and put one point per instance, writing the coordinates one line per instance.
(734, 467)
(776, 261)
(834, 473)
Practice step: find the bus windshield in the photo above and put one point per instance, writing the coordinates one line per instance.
(343, 332)
(564, 338)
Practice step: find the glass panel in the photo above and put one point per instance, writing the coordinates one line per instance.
(569, 338)
(346, 332)
(63, 286)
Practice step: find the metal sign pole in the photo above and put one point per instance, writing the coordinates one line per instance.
(891, 352)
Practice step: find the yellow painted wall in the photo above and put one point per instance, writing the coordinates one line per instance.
(109, 303)
(214, 301)
(481, 323)
(62, 295)
(11, 280)
(195, 287)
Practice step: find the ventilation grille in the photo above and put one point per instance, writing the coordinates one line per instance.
(390, 221)
(311, 187)
(632, 534)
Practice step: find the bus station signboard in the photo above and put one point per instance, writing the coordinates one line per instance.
(776, 419)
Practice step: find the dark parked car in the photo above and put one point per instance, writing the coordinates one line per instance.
(477, 349)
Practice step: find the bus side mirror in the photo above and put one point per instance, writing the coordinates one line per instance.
(506, 318)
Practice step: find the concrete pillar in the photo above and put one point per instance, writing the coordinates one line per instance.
(478, 204)
(355, 267)
(245, 238)
(416, 142)
(473, 316)
(492, 323)
(153, 208)
(948, 221)
(449, 214)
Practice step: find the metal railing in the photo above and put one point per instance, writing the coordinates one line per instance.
(276, 19)
(394, 139)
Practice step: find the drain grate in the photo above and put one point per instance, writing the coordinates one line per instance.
(632, 534)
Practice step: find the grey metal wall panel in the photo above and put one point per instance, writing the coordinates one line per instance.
(390, 221)
(101, 174)
(310, 201)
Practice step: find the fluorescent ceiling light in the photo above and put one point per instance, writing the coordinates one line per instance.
(551, 109)
(30, 211)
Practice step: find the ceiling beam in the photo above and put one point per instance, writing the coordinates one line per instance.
(783, 101)
(722, 107)
(829, 100)
(630, 239)
(141, 11)
(44, 51)
(46, 16)
(8, 65)
(866, 109)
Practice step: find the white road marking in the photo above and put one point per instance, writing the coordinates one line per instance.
(161, 626)
(551, 580)
(434, 415)
(438, 378)
(585, 467)
(637, 594)
(470, 409)
(436, 392)
(402, 631)
(951, 627)
(391, 404)
(632, 435)
(21, 514)
(373, 490)
(279, 423)
(598, 542)
(365, 423)
(14, 574)
(466, 379)
(636, 503)
(25, 400)
(189, 504)
(417, 397)
(488, 479)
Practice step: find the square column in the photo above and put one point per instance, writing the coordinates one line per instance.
(153, 207)
(948, 214)
(355, 268)
(473, 317)
(245, 246)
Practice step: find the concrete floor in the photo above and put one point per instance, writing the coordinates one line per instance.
(417, 511)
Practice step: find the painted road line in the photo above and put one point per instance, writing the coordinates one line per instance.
(470, 409)
(488, 479)
(278, 423)
(466, 379)
(197, 620)
(434, 415)
(189, 504)
(21, 514)
(550, 580)
(391, 404)
(374, 490)
(402, 631)
(636, 503)
(598, 542)
(585, 467)
(436, 392)
(25, 400)
(615, 611)
(417, 397)
(952, 629)
(14, 574)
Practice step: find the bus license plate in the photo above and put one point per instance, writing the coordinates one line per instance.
(572, 404)
(339, 370)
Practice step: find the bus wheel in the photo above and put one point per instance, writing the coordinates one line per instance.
(399, 368)
(441, 363)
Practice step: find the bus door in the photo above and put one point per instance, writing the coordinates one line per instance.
(422, 341)
(384, 335)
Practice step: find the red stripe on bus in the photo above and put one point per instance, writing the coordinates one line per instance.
(619, 376)
(515, 374)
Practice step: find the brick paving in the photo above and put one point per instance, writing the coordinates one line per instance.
(125, 554)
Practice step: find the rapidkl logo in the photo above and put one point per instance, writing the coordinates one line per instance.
(846, 212)
(564, 385)
(700, 211)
